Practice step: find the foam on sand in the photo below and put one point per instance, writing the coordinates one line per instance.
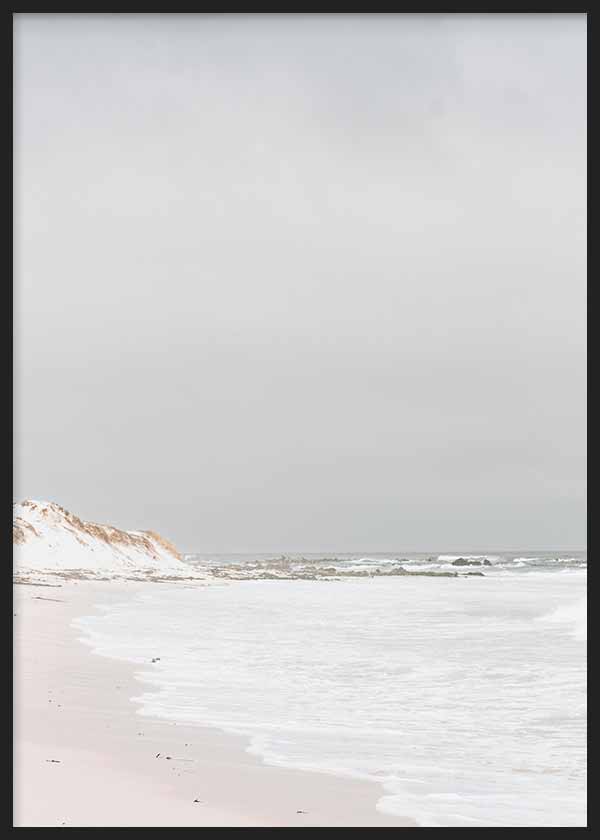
(47, 539)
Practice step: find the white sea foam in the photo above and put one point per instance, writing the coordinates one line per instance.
(463, 697)
(573, 614)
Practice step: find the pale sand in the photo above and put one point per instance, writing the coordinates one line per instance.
(83, 757)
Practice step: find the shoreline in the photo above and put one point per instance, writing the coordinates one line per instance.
(83, 757)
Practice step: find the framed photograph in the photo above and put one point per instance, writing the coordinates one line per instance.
(300, 406)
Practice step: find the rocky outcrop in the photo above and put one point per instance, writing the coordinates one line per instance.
(462, 561)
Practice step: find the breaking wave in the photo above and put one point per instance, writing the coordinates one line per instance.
(339, 566)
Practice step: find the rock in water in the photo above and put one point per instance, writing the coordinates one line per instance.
(462, 562)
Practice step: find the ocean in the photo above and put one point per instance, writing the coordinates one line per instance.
(455, 681)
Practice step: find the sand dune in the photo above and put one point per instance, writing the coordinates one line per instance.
(49, 540)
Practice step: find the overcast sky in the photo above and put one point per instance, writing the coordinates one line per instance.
(304, 283)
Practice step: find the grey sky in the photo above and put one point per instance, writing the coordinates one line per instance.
(304, 283)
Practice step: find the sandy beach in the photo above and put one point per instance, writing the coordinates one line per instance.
(83, 757)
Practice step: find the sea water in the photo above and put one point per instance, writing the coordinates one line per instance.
(464, 697)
